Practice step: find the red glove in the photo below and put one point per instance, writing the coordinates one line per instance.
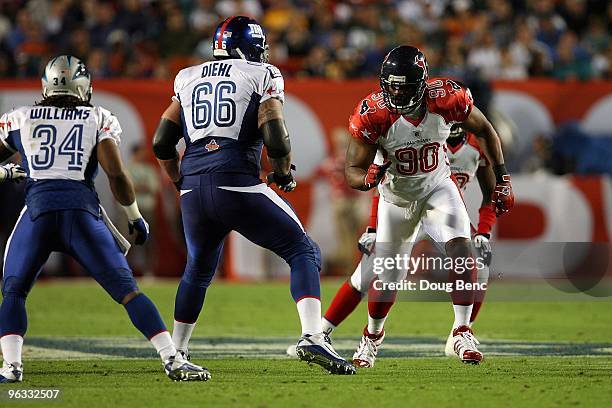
(375, 174)
(503, 197)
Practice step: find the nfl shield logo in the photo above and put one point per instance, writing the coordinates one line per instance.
(417, 134)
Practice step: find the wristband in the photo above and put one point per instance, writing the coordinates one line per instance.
(501, 174)
(132, 211)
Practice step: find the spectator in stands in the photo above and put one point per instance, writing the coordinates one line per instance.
(571, 60)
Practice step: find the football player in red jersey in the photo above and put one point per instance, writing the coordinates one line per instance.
(409, 120)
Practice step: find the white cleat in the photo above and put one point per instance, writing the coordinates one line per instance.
(178, 368)
(464, 345)
(449, 349)
(366, 353)
(11, 373)
(317, 349)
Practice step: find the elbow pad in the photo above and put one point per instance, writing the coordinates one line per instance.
(276, 138)
(166, 137)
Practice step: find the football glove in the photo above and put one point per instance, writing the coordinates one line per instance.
(503, 197)
(284, 182)
(367, 241)
(375, 174)
(483, 248)
(141, 228)
(12, 172)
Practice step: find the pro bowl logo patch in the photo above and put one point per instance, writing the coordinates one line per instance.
(212, 146)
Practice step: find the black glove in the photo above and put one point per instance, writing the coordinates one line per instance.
(284, 182)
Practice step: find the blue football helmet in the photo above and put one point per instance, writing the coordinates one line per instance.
(240, 37)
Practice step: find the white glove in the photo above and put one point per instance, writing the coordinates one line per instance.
(12, 172)
(483, 247)
(367, 241)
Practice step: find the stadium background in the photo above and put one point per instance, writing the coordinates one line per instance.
(540, 69)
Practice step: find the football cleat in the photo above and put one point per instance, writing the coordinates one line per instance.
(11, 373)
(449, 349)
(317, 348)
(464, 344)
(184, 354)
(365, 355)
(178, 368)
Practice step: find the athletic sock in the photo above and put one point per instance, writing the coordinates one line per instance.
(376, 325)
(462, 315)
(164, 345)
(181, 334)
(328, 327)
(188, 302)
(12, 345)
(346, 300)
(144, 316)
(309, 309)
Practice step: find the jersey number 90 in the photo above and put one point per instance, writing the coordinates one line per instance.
(213, 106)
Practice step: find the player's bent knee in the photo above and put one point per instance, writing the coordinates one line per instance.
(119, 284)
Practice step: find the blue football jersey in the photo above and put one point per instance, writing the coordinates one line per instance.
(219, 104)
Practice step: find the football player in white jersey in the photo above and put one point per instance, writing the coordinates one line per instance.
(227, 110)
(409, 120)
(467, 162)
(61, 140)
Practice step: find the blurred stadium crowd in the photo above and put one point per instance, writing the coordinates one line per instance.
(494, 39)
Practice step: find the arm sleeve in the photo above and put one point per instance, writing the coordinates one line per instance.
(5, 128)
(273, 85)
(374, 211)
(109, 127)
(486, 219)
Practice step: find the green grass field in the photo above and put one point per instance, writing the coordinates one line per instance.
(537, 353)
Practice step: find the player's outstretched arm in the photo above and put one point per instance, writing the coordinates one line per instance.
(122, 187)
(167, 136)
(359, 171)
(477, 123)
(271, 124)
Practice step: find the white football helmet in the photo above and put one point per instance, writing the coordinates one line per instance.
(66, 75)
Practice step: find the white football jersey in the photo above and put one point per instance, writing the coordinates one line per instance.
(57, 143)
(216, 96)
(416, 148)
(219, 110)
(465, 159)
